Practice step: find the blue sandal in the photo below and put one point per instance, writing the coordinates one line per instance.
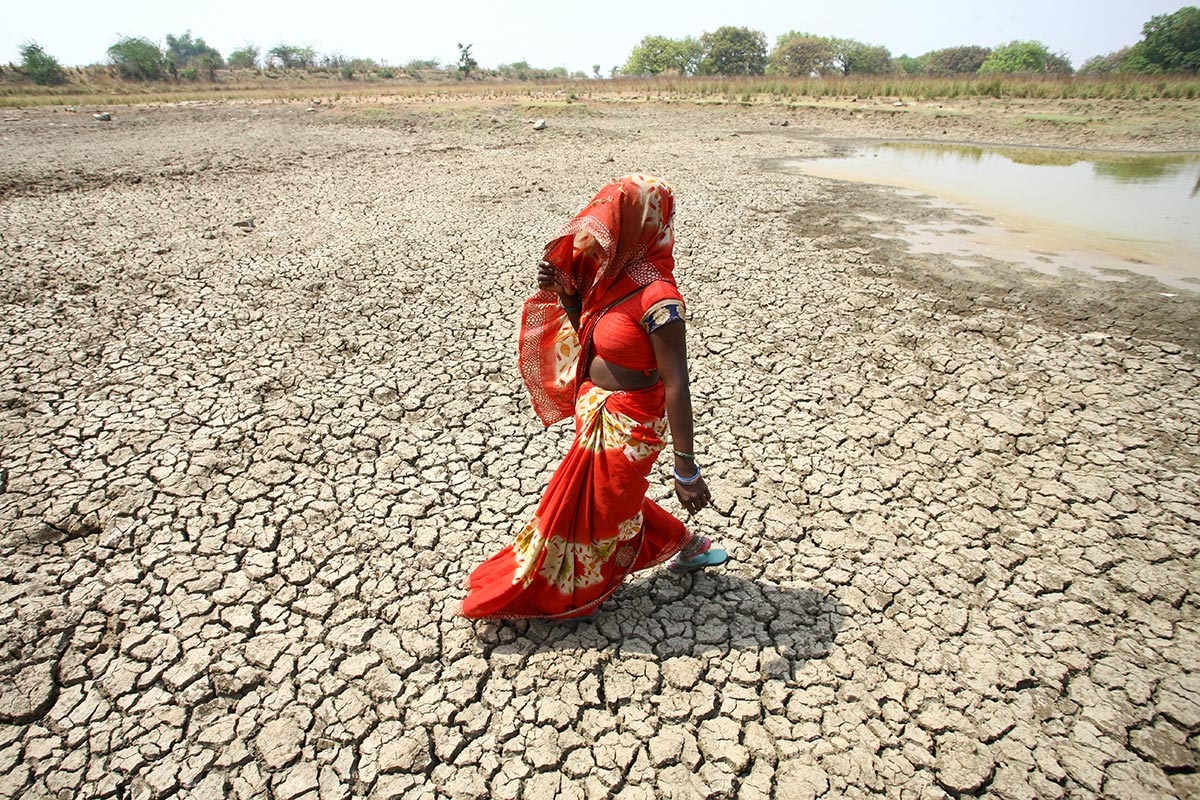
(712, 557)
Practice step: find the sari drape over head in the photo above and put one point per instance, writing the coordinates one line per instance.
(624, 238)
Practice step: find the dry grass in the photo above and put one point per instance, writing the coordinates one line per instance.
(96, 86)
(917, 88)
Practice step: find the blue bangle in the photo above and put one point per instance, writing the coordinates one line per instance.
(687, 481)
(575, 307)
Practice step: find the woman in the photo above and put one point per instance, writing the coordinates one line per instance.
(603, 339)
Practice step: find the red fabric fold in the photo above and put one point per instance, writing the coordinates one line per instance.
(622, 239)
(594, 525)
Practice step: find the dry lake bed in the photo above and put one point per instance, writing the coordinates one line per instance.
(259, 417)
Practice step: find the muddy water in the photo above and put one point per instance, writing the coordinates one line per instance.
(1056, 211)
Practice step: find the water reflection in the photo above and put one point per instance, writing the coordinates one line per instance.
(1142, 169)
(1121, 167)
(1141, 209)
(1124, 167)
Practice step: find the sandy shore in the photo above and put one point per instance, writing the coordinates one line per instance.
(259, 416)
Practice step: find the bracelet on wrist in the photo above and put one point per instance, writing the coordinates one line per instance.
(683, 454)
(689, 480)
(578, 305)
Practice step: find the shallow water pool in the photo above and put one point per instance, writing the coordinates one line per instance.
(1055, 209)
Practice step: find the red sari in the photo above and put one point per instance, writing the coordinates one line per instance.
(594, 524)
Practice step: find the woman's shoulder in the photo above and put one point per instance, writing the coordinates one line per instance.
(661, 304)
(658, 291)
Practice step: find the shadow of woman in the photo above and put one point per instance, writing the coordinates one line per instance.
(706, 614)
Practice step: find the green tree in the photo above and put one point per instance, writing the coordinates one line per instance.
(733, 51)
(245, 57)
(1059, 64)
(1024, 57)
(289, 56)
(466, 62)
(137, 59)
(516, 71)
(912, 65)
(41, 67)
(1170, 43)
(655, 55)
(184, 51)
(1135, 61)
(801, 55)
(963, 60)
(1103, 65)
(856, 58)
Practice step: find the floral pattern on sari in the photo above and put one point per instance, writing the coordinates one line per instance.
(528, 544)
(616, 431)
(594, 524)
(566, 565)
(566, 355)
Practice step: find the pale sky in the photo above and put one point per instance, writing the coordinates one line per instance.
(565, 33)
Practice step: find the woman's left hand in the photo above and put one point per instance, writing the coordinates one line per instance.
(693, 496)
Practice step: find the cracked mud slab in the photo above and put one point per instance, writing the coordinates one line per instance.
(245, 468)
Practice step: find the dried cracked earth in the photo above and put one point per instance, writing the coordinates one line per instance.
(259, 416)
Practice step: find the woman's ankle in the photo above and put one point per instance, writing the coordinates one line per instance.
(694, 547)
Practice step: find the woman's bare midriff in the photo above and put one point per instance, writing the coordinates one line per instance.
(615, 378)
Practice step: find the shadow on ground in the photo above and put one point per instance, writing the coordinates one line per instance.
(708, 613)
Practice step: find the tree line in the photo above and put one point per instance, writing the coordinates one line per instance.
(136, 58)
(1170, 43)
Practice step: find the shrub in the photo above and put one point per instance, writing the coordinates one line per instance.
(41, 67)
(245, 57)
(137, 59)
(1017, 58)
(291, 57)
(184, 51)
(423, 65)
(963, 60)
(1104, 65)
(911, 65)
